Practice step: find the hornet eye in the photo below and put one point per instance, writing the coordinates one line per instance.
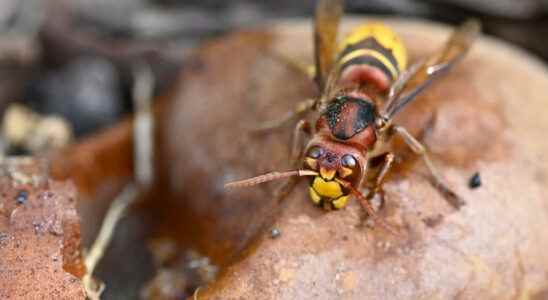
(315, 152)
(348, 161)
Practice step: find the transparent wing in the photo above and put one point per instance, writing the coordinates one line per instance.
(326, 24)
(421, 75)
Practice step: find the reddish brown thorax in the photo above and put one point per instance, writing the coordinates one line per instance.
(349, 120)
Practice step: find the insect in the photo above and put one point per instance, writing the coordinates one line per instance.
(364, 82)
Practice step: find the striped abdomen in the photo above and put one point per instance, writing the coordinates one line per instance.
(372, 54)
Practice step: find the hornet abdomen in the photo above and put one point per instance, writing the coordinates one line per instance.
(372, 54)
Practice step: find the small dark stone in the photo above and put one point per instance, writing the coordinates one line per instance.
(22, 197)
(275, 233)
(475, 181)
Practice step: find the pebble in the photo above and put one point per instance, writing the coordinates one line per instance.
(475, 181)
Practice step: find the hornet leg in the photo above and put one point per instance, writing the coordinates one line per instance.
(302, 127)
(376, 188)
(388, 162)
(297, 144)
(438, 182)
(301, 108)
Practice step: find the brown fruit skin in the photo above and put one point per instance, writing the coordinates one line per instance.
(485, 115)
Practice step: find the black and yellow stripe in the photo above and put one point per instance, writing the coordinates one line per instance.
(372, 58)
(375, 45)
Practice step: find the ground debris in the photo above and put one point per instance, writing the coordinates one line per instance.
(39, 239)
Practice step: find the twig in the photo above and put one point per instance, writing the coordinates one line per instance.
(196, 293)
(115, 212)
(144, 124)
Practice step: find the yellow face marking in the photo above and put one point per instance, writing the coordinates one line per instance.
(341, 202)
(329, 189)
(384, 35)
(327, 174)
(314, 196)
(345, 172)
(373, 53)
(312, 163)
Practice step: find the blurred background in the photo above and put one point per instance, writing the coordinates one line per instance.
(67, 70)
(73, 58)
